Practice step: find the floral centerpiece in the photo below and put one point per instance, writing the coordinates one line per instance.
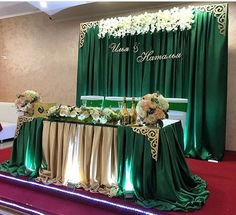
(152, 109)
(84, 114)
(63, 111)
(25, 102)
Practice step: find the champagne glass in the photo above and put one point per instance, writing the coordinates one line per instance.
(84, 103)
(120, 104)
(102, 104)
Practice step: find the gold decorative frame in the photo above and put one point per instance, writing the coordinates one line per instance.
(220, 12)
(83, 29)
(153, 137)
(21, 120)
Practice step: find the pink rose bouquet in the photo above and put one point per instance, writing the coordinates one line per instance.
(24, 101)
(152, 108)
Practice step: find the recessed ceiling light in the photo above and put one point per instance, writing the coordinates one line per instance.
(43, 4)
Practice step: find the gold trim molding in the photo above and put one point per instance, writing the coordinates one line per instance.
(21, 120)
(220, 12)
(83, 29)
(152, 135)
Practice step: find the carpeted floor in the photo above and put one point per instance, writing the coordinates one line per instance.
(221, 180)
(50, 204)
(220, 177)
(5, 154)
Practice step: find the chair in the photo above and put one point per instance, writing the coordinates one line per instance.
(178, 109)
(8, 119)
(92, 101)
(115, 102)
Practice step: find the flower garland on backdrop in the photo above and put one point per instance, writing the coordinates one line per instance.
(84, 114)
(152, 109)
(169, 20)
(24, 101)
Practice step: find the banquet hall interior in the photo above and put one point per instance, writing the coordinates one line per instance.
(117, 107)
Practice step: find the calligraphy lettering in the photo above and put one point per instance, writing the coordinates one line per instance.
(116, 48)
(149, 56)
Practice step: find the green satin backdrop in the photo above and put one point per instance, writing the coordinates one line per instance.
(199, 75)
(101, 72)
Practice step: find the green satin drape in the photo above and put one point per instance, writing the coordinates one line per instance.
(26, 154)
(199, 75)
(165, 184)
(102, 72)
(207, 93)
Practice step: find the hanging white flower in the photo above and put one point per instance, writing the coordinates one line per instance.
(169, 20)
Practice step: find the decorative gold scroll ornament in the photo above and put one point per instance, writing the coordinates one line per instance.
(219, 11)
(83, 31)
(152, 135)
(21, 120)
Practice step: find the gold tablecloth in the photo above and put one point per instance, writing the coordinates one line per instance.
(81, 154)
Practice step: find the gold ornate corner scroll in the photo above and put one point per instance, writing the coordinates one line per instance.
(83, 30)
(220, 12)
(21, 120)
(152, 135)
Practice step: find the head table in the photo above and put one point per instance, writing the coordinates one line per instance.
(109, 159)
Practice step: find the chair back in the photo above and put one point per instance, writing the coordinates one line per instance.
(92, 101)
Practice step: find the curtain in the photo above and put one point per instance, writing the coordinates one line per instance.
(207, 91)
(102, 72)
(200, 75)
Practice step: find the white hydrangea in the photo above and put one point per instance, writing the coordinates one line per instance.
(170, 20)
(162, 103)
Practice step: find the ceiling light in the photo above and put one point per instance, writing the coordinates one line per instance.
(43, 4)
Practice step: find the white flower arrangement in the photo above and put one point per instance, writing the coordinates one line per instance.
(169, 20)
(84, 114)
(24, 101)
(152, 108)
(63, 111)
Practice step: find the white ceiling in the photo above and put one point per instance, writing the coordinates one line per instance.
(55, 9)
(11, 9)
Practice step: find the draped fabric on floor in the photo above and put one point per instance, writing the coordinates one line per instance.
(26, 155)
(199, 75)
(165, 184)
